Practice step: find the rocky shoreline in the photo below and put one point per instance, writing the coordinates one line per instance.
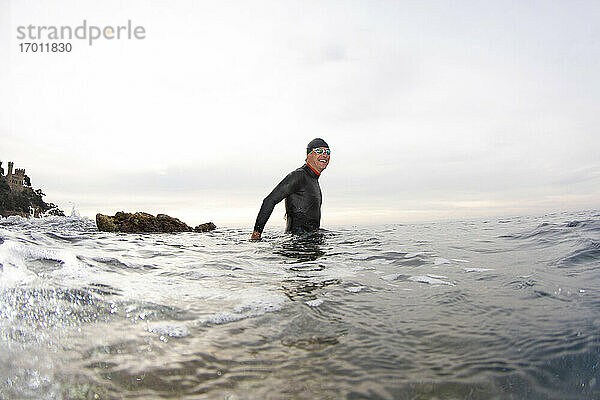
(18, 198)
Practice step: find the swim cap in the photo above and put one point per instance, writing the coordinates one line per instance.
(317, 142)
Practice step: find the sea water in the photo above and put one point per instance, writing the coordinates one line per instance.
(481, 309)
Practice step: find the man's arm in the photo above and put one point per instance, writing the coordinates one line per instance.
(286, 187)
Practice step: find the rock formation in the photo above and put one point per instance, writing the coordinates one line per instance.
(209, 226)
(141, 222)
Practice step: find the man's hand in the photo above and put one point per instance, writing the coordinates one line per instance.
(255, 236)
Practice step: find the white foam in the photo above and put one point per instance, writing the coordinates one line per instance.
(459, 260)
(13, 276)
(169, 329)
(254, 302)
(45, 221)
(75, 213)
(429, 280)
(440, 261)
(314, 303)
(21, 252)
(222, 318)
(12, 220)
(478, 269)
(391, 277)
(13, 271)
(17, 255)
(355, 289)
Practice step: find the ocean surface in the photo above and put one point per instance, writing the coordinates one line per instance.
(484, 309)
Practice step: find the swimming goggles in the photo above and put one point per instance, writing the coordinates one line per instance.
(320, 150)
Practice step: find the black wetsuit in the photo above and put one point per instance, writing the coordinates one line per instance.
(302, 194)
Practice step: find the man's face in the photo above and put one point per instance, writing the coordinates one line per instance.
(317, 161)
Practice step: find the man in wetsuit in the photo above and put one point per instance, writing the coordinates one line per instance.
(301, 191)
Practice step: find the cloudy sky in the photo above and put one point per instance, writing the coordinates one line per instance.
(433, 109)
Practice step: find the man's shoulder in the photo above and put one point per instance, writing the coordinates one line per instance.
(300, 171)
(296, 175)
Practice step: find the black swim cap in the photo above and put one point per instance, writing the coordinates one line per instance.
(317, 142)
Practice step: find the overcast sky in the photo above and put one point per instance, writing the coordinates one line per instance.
(432, 109)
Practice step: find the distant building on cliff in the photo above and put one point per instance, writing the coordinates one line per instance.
(17, 197)
(17, 180)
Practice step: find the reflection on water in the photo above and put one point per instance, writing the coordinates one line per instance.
(305, 289)
(301, 248)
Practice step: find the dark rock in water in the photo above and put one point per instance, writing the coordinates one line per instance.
(142, 222)
(209, 226)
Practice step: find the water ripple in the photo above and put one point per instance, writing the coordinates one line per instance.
(502, 308)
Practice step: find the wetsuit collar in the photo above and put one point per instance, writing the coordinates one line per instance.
(310, 169)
